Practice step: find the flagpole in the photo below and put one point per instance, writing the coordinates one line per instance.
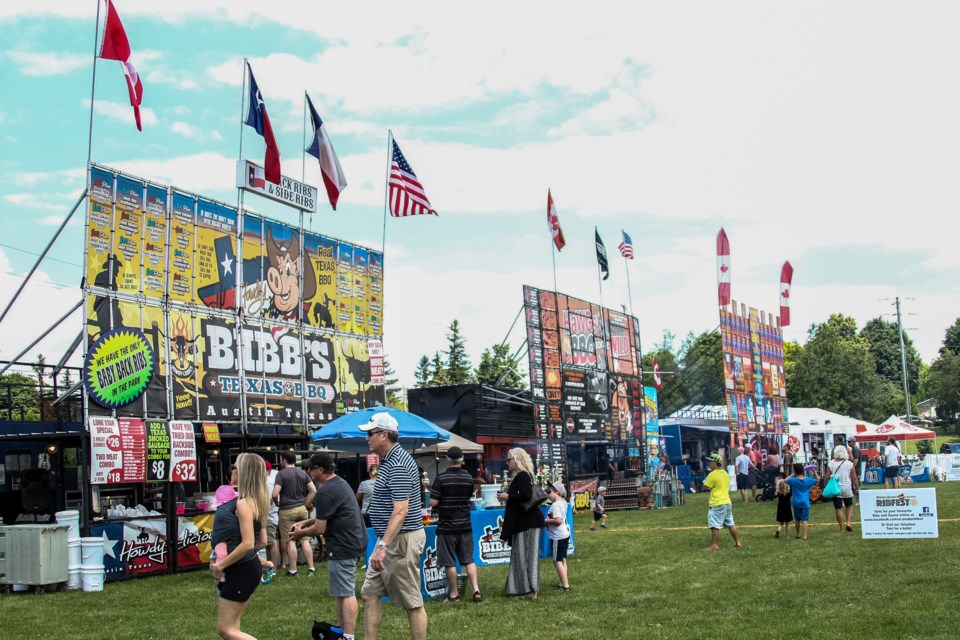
(303, 157)
(243, 90)
(386, 192)
(553, 250)
(93, 85)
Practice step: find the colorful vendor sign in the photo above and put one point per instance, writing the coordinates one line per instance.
(118, 368)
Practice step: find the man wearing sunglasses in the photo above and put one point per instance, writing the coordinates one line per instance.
(394, 568)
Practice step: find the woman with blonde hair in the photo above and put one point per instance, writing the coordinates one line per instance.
(846, 474)
(521, 528)
(241, 523)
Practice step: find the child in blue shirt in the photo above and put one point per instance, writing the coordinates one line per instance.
(800, 487)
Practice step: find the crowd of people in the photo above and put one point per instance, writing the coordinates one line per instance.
(271, 510)
(792, 487)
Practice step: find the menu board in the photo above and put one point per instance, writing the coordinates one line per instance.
(158, 451)
(128, 450)
(183, 452)
(117, 450)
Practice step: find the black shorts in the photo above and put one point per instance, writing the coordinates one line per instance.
(744, 482)
(597, 516)
(241, 580)
(889, 473)
(840, 503)
(558, 549)
(454, 546)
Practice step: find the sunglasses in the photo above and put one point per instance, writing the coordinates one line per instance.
(373, 433)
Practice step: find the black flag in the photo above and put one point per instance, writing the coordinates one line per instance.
(601, 255)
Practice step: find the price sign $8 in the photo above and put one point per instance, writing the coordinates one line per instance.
(159, 469)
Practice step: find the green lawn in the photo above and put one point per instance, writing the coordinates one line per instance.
(647, 576)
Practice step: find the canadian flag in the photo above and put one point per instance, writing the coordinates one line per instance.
(117, 47)
(657, 381)
(786, 280)
(723, 268)
(553, 223)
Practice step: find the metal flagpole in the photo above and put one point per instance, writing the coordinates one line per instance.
(93, 85)
(386, 191)
(303, 155)
(553, 248)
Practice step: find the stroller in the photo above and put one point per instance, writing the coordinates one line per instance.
(767, 483)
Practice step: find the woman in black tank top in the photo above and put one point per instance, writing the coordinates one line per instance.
(241, 524)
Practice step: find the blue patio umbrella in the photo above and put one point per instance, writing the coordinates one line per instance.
(344, 432)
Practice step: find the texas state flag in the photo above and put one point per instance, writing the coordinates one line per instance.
(322, 150)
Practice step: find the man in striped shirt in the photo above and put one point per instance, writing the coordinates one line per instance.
(394, 568)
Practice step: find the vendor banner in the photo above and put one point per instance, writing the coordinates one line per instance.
(140, 547)
(756, 391)
(183, 451)
(248, 319)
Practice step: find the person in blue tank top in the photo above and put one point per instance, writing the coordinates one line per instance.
(241, 524)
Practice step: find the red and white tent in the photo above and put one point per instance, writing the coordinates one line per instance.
(893, 427)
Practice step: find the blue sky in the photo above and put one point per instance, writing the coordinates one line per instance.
(821, 133)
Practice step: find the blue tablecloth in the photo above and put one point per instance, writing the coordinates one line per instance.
(487, 548)
(876, 475)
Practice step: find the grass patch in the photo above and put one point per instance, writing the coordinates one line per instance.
(647, 576)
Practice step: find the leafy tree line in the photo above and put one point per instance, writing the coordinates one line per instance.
(452, 366)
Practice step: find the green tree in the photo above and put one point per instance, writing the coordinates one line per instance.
(944, 385)
(952, 340)
(458, 363)
(791, 351)
(668, 399)
(19, 398)
(836, 371)
(438, 369)
(885, 347)
(701, 375)
(396, 397)
(423, 375)
(496, 362)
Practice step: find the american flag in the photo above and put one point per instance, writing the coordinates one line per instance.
(626, 247)
(406, 193)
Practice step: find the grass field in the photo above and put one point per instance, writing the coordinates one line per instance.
(647, 576)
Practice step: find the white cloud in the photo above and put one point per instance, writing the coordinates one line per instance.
(45, 63)
(194, 132)
(122, 112)
(48, 201)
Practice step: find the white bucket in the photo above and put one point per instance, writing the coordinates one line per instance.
(92, 577)
(489, 493)
(72, 520)
(91, 552)
(73, 553)
(74, 579)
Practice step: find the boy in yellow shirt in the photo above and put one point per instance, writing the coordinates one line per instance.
(720, 509)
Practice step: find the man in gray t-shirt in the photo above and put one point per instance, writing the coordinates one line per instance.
(338, 520)
(293, 492)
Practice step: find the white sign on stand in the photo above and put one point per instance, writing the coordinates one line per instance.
(899, 513)
(952, 465)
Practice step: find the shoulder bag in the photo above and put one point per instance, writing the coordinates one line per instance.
(537, 498)
(832, 488)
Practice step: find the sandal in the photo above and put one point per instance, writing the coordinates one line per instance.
(477, 596)
(455, 598)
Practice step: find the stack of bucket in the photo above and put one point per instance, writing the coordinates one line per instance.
(91, 571)
(72, 520)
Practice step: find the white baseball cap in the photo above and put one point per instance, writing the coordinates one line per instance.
(382, 420)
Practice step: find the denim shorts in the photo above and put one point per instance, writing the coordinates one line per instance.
(720, 516)
(801, 514)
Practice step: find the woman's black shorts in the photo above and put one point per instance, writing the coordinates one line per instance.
(840, 503)
(241, 580)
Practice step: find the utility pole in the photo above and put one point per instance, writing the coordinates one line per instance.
(903, 361)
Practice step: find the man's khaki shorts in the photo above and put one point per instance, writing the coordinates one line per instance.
(400, 577)
(288, 518)
(271, 533)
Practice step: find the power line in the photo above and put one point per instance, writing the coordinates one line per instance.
(33, 253)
